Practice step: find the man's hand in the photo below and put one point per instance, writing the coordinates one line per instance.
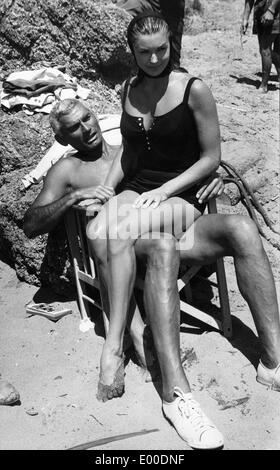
(150, 198)
(213, 187)
(101, 192)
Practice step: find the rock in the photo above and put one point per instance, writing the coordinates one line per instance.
(85, 35)
(41, 261)
(88, 37)
(24, 141)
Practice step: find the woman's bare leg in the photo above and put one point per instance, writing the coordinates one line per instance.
(122, 265)
(135, 323)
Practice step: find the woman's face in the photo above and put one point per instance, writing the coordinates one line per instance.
(152, 52)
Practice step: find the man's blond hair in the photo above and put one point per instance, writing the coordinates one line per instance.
(62, 108)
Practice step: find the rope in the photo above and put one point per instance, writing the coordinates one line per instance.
(248, 198)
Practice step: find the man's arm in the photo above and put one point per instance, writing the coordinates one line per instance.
(51, 203)
(246, 14)
(56, 198)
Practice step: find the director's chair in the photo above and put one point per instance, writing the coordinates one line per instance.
(87, 279)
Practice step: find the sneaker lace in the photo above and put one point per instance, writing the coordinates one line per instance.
(191, 409)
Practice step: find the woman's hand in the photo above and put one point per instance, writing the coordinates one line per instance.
(150, 199)
(214, 187)
(267, 17)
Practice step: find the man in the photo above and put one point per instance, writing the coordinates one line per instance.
(173, 11)
(267, 26)
(76, 179)
(71, 180)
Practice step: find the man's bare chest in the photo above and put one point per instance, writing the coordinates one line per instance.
(90, 174)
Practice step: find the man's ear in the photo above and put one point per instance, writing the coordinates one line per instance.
(60, 140)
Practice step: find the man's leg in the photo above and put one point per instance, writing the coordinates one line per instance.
(276, 54)
(265, 45)
(174, 12)
(133, 7)
(218, 235)
(163, 310)
(162, 307)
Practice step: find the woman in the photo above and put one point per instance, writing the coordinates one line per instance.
(171, 143)
(173, 13)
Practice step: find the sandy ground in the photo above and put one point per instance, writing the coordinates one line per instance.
(55, 367)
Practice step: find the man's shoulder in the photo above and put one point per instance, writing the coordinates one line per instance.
(64, 168)
(70, 160)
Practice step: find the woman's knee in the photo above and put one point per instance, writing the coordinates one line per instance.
(119, 238)
(96, 229)
(97, 239)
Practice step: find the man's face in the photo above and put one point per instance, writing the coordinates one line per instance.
(80, 129)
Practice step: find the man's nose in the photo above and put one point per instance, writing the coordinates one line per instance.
(85, 126)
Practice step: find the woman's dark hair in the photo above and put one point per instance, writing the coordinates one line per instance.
(146, 23)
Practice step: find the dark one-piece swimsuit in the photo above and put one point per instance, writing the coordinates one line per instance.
(168, 148)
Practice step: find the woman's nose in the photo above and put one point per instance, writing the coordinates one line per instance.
(154, 58)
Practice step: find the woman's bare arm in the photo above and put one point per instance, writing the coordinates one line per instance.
(204, 109)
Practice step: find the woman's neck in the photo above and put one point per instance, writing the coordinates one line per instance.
(168, 69)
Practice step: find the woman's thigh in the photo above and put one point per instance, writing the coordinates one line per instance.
(172, 216)
(112, 212)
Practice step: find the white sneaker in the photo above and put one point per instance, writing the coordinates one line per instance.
(191, 423)
(269, 377)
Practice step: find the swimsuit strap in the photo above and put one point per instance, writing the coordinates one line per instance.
(125, 91)
(188, 89)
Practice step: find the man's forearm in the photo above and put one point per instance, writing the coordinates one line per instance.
(248, 8)
(42, 219)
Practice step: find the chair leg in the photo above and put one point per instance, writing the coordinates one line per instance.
(224, 301)
(188, 292)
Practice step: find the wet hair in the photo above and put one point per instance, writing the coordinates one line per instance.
(147, 23)
(60, 109)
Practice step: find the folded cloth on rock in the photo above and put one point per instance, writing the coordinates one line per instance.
(37, 90)
(110, 128)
